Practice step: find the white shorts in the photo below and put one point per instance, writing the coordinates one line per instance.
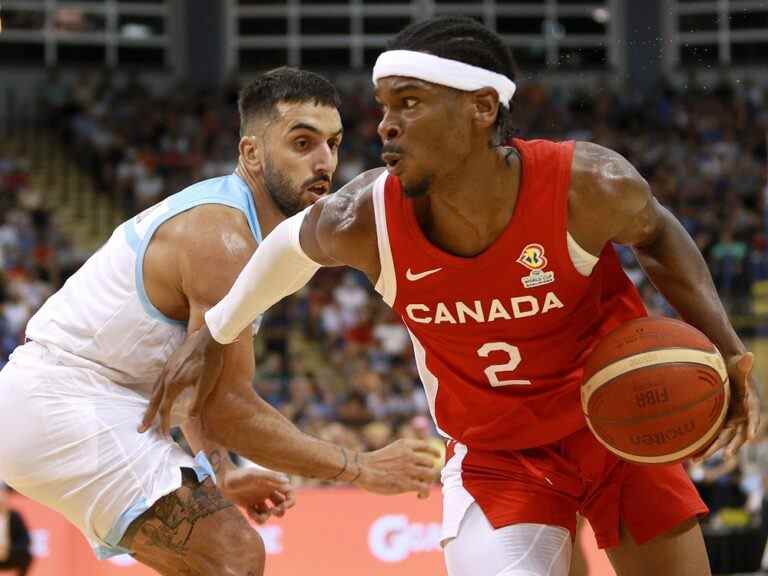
(69, 441)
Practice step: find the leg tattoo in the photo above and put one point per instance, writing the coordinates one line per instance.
(168, 525)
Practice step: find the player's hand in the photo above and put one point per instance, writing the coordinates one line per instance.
(260, 493)
(197, 363)
(743, 417)
(403, 466)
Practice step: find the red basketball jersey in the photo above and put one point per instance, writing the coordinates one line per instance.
(500, 339)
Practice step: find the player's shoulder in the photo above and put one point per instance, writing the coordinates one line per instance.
(599, 167)
(343, 225)
(212, 244)
(607, 195)
(601, 176)
(199, 252)
(350, 209)
(210, 232)
(353, 197)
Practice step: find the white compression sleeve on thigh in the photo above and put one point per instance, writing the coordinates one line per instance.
(278, 268)
(515, 550)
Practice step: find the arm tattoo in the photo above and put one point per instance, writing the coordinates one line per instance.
(169, 523)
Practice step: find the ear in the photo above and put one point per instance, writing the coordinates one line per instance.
(250, 153)
(486, 105)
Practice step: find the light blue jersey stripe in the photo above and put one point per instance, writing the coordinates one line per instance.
(229, 191)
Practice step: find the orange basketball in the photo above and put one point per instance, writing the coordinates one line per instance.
(655, 391)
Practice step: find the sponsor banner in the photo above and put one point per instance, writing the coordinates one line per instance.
(330, 532)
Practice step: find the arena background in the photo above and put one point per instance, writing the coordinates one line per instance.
(106, 106)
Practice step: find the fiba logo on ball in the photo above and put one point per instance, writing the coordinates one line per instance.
(393, 538)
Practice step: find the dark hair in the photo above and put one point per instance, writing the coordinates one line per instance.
(283, 84)
(466, 40)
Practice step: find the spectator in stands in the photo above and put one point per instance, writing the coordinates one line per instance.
(718, 480)
(377, 435)
(29, 249)
(353, 408)
(15, 542)
(270, 382)
(754, 464)
(148, 187)
(727, 262)
(758, 258)
(390, 336)
(307, 404)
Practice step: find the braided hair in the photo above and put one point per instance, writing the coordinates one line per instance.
(465, 40)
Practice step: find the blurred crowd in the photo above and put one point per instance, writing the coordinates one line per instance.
(334, 358)
(702, 149)
(31, 249)
(735, 488)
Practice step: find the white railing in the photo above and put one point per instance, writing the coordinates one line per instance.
(368, 27)
(110, 24)
(723, 38)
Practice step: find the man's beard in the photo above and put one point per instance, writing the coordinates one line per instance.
(281, 190)
(421, 188)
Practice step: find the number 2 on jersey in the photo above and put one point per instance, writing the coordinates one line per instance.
(492, 372)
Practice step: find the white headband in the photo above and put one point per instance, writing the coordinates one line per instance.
(442, 71)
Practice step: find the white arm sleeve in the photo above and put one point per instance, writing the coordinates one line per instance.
(278, 268)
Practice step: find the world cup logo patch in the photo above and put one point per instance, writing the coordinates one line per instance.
(532, 257)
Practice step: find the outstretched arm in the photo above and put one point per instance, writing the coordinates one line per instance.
(235, 416)
(614, 203)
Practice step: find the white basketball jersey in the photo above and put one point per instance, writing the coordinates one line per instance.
(102, 318)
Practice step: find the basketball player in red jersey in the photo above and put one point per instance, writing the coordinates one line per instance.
(497, 254)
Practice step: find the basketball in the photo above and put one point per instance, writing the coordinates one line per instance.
(655, 391)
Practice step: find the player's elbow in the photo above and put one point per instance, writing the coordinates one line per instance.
(653, 228)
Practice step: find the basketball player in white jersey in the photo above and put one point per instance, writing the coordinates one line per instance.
(72, 397)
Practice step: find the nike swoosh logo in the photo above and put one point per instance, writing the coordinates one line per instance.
(413, 277)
